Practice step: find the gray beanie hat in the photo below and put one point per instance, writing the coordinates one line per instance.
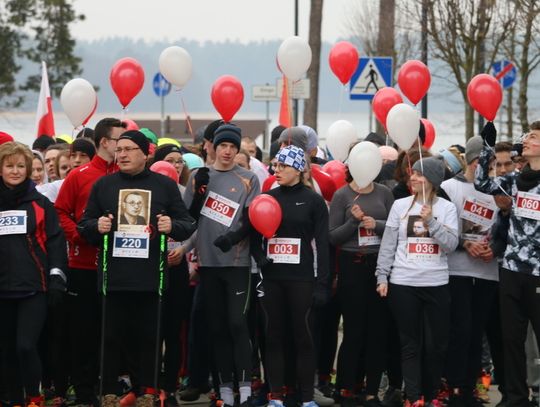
(473, 148)
(295, 136)
(312, 137)
(433, 170)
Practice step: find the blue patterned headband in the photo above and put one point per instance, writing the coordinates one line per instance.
(293, 157)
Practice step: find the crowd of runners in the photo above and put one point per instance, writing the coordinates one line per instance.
(132, 273)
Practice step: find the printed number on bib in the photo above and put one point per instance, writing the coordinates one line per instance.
(283, 250)
(422, 249)
(219, 208)
(478, 212)
(12, 222)
(367, 237)
(528, 205)
(133, 245)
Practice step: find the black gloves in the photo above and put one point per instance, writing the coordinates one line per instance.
(320, 294)
(56, 290)
(489, 134)
(224, 243)
(263, 261)
(201, 180)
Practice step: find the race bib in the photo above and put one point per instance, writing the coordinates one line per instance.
(528, 205)
(474, 238)
(219, 208)
(479, 212)
(422, 249)
(13, 222)
(283, 250)
(367, 237)
(134, 245)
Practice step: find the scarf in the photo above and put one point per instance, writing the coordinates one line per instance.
(10, 197)
(528, 179)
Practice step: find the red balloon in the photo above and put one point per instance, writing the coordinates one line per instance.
(165, 168)
(414, 79)
(430, 134)
(485, 95)
(325, 183)
(227, 96)
(127, 79)
(384, 100)
(130, 124)
(343, 60)
(337, 170)
(265, 215)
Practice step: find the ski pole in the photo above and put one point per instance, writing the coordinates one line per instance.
(162, 259)
(104, 267)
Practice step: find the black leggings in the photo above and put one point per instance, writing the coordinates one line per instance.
(365, 317)
(130, 333)
(292, 298)
(22, 322)
(471, 299)
(423, 317)
(226, 294)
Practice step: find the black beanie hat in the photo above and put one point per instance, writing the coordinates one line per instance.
(211, 129)
(84, 146)
(228, 133)
(42, 142)
(138, 138)
(164, 151)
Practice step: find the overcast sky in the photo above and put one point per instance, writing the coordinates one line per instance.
(215, 20)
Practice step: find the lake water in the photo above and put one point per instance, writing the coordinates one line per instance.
(450, 127)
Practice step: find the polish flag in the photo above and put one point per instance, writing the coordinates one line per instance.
(285, 109)
(44, 115)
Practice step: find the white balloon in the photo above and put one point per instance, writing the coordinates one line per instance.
(403, 124)
(340, 136)
(175, 65)
(78, 99)
(365, 163)
(294, 57)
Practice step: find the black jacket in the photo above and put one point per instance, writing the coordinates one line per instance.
(134, 274)
(27, 259)
(304, 216)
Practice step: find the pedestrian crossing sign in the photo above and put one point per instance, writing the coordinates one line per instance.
(372, 74)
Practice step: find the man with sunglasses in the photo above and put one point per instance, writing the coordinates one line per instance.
(82, 303)
(520, 274)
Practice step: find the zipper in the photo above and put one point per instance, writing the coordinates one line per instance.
(38, 263)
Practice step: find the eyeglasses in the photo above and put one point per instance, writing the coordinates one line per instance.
(174, 162)
(128, 150)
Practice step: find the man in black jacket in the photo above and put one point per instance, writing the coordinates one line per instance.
(131, 263)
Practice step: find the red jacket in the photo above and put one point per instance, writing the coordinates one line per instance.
(70, 205)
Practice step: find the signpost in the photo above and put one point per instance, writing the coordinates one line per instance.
(505, 72)
(372, 74)
(162, 88)
(265, 93)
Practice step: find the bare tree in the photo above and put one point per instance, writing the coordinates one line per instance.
(311, 104)
(465, 37)
(527, 39)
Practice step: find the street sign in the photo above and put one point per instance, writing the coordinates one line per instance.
(297, 90)
(505, 72)
(161, 86)
(372, 74)
(264, 93)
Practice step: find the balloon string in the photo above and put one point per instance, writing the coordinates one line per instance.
(386, 142)
(188, 120)
(422, 168)
(123, 114)
(341, 92)
(409, 170)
